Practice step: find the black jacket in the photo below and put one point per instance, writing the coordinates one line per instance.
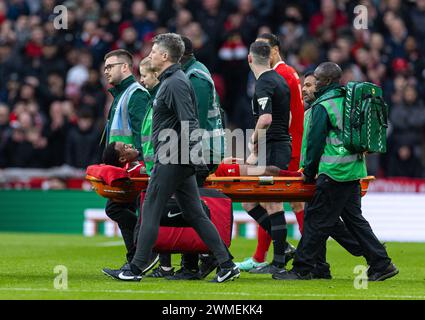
(174, 118)
(82, 147)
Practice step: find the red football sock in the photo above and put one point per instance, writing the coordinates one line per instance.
(263, 245)
(300, 219)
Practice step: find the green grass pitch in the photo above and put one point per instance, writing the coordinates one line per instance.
(28, 260)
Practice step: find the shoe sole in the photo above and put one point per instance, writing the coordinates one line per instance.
(386, 276)
(174, 279)
(253, 271)
(107, 274)
(249, 270)
(232, 278)
(283, 279)
(236, 276)
(293, 279)
(159, 277)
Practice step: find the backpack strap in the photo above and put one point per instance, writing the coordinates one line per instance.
(329, 96)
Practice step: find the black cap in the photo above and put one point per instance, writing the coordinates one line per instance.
(188, 47)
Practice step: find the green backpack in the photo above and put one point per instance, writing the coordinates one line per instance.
(365, 118)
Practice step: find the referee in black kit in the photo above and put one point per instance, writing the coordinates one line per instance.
(271, 107)
(174, 112)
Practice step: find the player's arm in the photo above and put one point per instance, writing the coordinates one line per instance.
(316, 142)
(202, 90)
(264, 122)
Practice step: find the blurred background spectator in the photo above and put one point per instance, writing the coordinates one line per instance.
(53, 97)
(82, 144)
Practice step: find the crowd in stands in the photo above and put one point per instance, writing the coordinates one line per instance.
(54, 100)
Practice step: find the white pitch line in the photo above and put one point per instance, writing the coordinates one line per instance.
(245, 294)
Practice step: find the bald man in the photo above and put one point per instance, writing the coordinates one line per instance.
(338, 189)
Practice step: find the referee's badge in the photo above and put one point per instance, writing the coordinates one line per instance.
(263, 102)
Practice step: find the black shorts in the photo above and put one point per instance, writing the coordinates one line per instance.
(278, 154)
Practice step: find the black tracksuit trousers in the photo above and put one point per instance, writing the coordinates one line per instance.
(179, 180)
(334, 200)
(341, 235)
(124, 214)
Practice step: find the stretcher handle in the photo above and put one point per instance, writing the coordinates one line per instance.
(94, 179)
(214, 178)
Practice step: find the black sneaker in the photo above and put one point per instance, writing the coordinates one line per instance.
(161, 273)
(227, 274)
(184, 274)
(126, 266)
(321, 272)
(291, 275)
(267, 269)
(389, 272)
(122, 275)
(207, 265)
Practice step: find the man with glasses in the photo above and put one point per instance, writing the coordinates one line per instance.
(174, 112)
(124, 125)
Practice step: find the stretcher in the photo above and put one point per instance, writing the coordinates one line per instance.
(268, 188)
(125, 190)
(239, 189)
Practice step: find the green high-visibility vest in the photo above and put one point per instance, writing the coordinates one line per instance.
(120, 128)
(146, 133)
(216, 144)
(307, 123)
(337, 162)
(147, 143)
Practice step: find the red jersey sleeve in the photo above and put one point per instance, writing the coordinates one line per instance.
(227, 170)
(296, 106)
